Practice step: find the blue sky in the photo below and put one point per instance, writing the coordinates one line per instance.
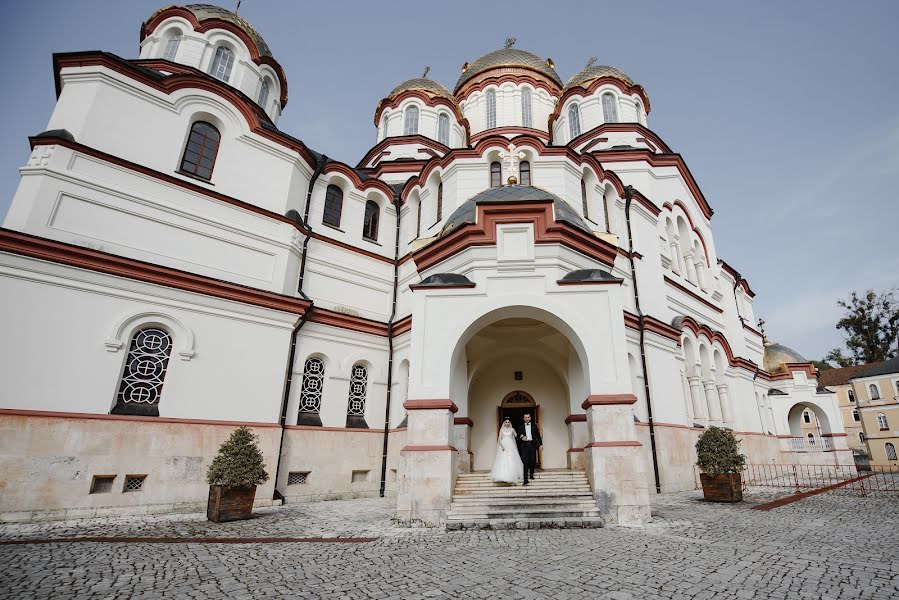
(786, 112)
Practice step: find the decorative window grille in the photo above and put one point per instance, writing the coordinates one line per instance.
(574, 121)
(145, 369)
(297, 477)
(806, 417)
(811, 439)
(134, 483)
(491, 109)
(875, 393)
(171, 46)
(202, 147)
(856, 416)
(443, 129)
(263, 93)
(439, 202)
(358, 385)
(584, 206)
(890, 450)
(313, 385)
(370, 222)
(526, 119)
(495, 174)
(410, 127)
(524, 173)
(882, 422)
(102, 484)
(609, 108)
(333, 206)
(222, 64)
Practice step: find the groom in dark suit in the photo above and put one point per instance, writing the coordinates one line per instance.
(528, 441)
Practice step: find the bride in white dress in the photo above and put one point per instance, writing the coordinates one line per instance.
(507, 466)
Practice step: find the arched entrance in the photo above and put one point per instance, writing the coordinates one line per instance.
(513, 407)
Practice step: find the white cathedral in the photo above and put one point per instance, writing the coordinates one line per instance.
(174, 265)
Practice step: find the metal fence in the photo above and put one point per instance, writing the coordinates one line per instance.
(803, 478)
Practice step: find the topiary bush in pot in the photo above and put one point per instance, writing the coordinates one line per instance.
(233, 476)
(718, 456)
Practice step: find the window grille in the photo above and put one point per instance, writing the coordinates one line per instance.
(443, 129)
(491, 109)
(222, 64)
(609, 108)
(171, 46)
(410, 127)
(526, 119)
(102, 484)
(882, 422)
(358, 385)
(297, 477)
(134, 483)
(439, 202)
(263, 93)
(890, 450)
(333, 206)
(574, 121)
(370, 223)
(201, 150)
(524, 173)
(145, 367)
(495, 172)
(313, 385)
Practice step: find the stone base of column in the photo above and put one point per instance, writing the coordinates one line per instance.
(619, 481)
(425, 485)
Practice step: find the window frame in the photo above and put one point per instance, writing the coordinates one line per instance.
(200, 156)
(411, 125)
(371, 221)
(338, 199)
(524, 167)
(438, 209)
(443, 128)
(574, 120)
(130, 373)
(584, 205)
(882, 422)
(172, 40)
(527, 111)
(215, 62)
(890, 450)
(490, 109)
(806, 417)
(856, 416)
(496, 169)
(610, 112)
(874, 391)
(264, 91)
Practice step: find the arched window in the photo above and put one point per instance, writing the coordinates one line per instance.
(890, 450)
(443, 129)
(263, 93)
(856, 416)
(638, 108)
(370, 222)
(491, 109)
(851, 396)
(384, 121)
(171, 46)
(524, 173)
(526, 118)
(144, 373)
(806, 416)
(410, 124)
(584, 198)
(333, 206)
(574, 121)
(495, 171)
(355, 412)
(313, 386)
(609, 108)
(811, 439)
(882, 422)
(418, 221)
(439, 211)
(875, 393)
(202, 147)
(222, 63)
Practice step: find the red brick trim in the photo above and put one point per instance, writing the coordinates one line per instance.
(427, 448)
(538, 133)
(341, 429)
(324, 316)
(608, 399)
(499, 75)
(743, 283)
(435, 404)
(463, 421)
(14, 412)
(575, 450)
(648, 135)
(691, 293)
(429, 100)
(653, 325)
(834, 435)
(580, 90)
(693, 226)
(575, 419)
(616, 444)
(402, 326)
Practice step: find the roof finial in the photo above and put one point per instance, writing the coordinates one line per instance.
(237, 10)
(510, 41)
(761, 325)
(591, 61)
(427, 70)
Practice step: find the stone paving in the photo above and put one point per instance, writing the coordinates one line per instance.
(826, 546)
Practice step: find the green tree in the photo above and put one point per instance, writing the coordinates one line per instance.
(871, 326)
(239, 462)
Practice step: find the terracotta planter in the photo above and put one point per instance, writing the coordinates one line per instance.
(228, 503)
(727, 487)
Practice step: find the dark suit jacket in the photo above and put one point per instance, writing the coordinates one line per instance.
(535, 434)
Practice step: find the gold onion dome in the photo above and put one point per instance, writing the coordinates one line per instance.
(509, 57)
(205, 12)
(423, 84)
(777, 354)
(591, 72)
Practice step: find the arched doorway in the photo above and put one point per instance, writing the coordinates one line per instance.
(513, 407)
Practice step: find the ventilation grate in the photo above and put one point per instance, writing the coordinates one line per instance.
(102, 484)
(297, 477)
(134, 483)
(361, 476)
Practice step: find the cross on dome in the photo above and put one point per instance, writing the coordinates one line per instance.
(590, 62)
(512, 158)
(427, 70)
(510, 41)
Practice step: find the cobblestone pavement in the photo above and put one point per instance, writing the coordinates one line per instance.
(826, 546)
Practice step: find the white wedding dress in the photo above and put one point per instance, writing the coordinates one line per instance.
(507, 466)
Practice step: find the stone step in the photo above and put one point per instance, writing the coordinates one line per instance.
(527, 523)
(579, 475)
(526, 514)
(524, 489)
(523, 500)
(587, 508)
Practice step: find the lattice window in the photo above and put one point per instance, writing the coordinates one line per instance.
(171, 46)
(358, 387)
(574, 121)
(609, 108)
(297, 477)
(263, 93)
(102, 484)
(222, 63)
(491, 109)
(882, 421)
(443, 129)
(134, 483)
(145, 369)
(333, 206)
(890, 450)
(201, 150)
(313, 385)
(526, 120)
(410, 125)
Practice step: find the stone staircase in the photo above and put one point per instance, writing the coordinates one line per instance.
(556, 498)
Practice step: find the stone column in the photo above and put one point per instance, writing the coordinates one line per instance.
(699, 265)
(691, 267)
(428, 463)
(711, 398)
(726, 413)
(577, 439)
(699, 404)
(675, 258)
(614, 460)
(462, 442)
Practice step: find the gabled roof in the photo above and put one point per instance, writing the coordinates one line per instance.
(887, 367)
(842, 375)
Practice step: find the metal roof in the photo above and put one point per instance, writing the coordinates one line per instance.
(508, 57)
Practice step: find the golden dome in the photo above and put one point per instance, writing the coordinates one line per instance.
(509, 57)
(423, 84)
(777, 354)
(592, 72)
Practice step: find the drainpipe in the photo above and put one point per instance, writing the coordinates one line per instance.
(291, 354)
(396, 274)
(737, 280)
(628, 196)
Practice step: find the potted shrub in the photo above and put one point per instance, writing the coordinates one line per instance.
(718, 456)
(233, 476)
